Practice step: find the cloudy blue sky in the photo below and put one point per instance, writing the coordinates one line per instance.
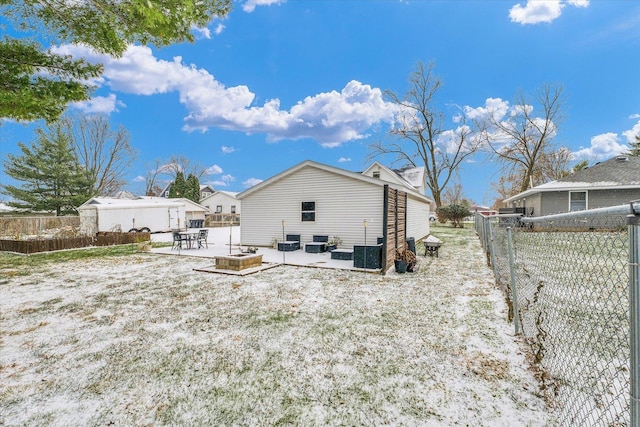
(277, 82)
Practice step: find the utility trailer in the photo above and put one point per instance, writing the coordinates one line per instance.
(141, 215)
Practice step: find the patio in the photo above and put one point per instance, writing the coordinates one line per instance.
(224, 241)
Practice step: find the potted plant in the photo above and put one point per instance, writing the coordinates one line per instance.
(334, 243)
(405, 260)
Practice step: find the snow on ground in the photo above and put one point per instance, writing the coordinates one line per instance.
(145, 340)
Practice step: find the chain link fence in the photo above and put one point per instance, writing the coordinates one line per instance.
(567, 280)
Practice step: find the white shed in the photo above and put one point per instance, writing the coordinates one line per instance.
(316, 199)
(143, 214)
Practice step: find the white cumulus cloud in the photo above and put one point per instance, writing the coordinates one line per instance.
(539, 11)
(227, 150)
(330, 118)
(139, 178)
(99, 105)
(493, 107)
(633, 132)
(213, 170)
(344, 159)
(603, 146)
(202, 32)
(219, 29)
(250, 5)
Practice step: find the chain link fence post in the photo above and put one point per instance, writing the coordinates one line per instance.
(492, 254)
(514, 290)
(633, 222)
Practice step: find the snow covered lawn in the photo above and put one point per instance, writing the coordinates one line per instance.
(144, 340)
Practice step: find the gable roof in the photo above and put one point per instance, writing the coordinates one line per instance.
(620, 172)
(400, 185)
(412, 177)
(228, 194)
(207, 187)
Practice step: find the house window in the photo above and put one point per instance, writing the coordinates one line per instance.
(219, 209)
(376, 174)
(577, 200)
(205, 194)
(308, 211)
(233, 209)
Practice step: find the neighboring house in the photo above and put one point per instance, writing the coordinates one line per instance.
(316, 199)
(205, 191)
(483, 210)
(610, 183)
(222, 202)
(124, 194)
(413, 177)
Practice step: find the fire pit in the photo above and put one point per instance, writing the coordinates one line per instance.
(237, 262)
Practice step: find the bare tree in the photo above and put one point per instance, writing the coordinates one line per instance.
(105, 152)
(555, 165)
(164, 172)
(181, 163)
(151, 187)
(523, 141)
(419, 137)
(453, 195)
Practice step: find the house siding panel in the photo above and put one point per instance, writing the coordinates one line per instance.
(558, 201)
(606, 198)
(342, 205)
(225, 200)
(554, 202)
(417, 219)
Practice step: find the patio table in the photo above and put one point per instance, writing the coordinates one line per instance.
(191, 237)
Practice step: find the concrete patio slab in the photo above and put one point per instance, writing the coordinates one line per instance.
(226, 241)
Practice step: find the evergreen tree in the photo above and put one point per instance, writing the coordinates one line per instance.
(52, 178)
(454, 213)
(36, 82)
(193, 188)
(179, 186)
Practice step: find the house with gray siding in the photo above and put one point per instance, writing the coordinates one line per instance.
(610, 183)
(311, 198)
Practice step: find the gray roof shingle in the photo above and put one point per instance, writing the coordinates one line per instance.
(622, 170)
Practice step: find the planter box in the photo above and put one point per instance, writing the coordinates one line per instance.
(344, 254)
(315, 247)
(288, 246)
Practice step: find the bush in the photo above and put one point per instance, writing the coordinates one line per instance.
(454, 213)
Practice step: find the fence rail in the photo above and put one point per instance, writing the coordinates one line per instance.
(568, 280)
(222, 220)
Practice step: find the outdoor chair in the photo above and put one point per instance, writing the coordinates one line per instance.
(177, 240)
(202, 239)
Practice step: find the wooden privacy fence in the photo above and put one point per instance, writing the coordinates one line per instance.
(47, 245)
(23, 225)
(395, 218)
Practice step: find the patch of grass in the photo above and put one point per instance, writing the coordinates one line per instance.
(11, 261)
